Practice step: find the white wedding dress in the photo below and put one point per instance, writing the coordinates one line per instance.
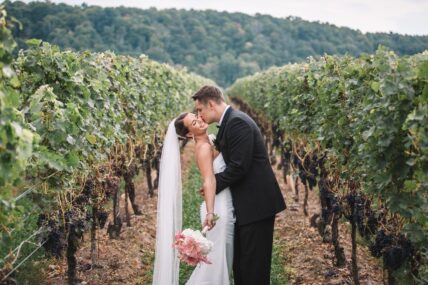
(221, 235)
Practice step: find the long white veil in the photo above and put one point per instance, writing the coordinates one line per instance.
(169, 211)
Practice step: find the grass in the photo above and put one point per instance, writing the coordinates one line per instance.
(279, 274)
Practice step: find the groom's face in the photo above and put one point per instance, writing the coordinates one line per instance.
(205, 111)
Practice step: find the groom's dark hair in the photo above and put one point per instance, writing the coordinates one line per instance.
(209, 93)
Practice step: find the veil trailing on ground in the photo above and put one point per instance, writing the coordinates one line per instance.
(169, 211)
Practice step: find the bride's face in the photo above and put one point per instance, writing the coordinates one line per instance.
(195, 125)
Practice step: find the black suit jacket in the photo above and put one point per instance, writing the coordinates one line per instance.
(255, 190)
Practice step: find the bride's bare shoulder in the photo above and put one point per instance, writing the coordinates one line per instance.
(204, 157)
(204, 149)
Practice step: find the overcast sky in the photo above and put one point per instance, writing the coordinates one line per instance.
(400, 16)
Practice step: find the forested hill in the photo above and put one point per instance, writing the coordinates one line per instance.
(222, 46)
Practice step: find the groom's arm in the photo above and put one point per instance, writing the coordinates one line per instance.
(241, 142)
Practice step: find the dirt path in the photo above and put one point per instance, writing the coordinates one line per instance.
(128, 259)
(308, 260)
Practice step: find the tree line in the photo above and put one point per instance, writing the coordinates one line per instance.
(219, 45)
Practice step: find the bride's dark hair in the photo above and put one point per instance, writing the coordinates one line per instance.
(180, 128)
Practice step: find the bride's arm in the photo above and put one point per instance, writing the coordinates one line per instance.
(204, 158)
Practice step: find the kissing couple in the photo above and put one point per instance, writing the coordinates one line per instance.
(238, 185)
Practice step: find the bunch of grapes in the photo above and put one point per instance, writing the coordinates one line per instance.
(286, 150)
(366, 218)
(54, 239)
(117, 169)
(80, 201)
(78, 219)
(311, 166)
(394, 249)
(329, 201)
(102, 217)
(88, 189)
(355, 201)
(156, 164)
(382, 240)
(277, 135)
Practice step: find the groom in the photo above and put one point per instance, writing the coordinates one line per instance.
(255, 191)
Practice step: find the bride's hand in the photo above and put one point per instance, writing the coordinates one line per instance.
(209, 221)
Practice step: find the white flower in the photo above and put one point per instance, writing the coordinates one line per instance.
(205, 244)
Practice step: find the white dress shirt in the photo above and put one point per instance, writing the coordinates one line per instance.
(222, 115)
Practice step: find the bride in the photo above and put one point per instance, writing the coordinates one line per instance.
(169, 215)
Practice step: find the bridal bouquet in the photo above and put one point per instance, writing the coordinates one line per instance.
(192, 246)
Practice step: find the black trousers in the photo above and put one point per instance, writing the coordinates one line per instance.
(253, 252)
